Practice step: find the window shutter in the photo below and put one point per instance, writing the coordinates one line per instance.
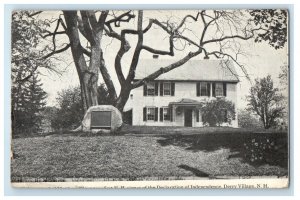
(145, 89)
(197, 115)
(214, 89)
(172, 89)
(208, 89)
(224, 90)
(161, 89)
(156, 114)
(156, 88)
(171, 113)
(198, 89)
(161, 114)
(145, 114)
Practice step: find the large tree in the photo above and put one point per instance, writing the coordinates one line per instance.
(266, 101)
(210, 33)
(27, 94)
(28, 102)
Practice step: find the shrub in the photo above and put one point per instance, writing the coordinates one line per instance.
(219, 111)
(248, 120)
(261, 150)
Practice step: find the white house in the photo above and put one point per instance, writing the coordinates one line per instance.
(174, 98)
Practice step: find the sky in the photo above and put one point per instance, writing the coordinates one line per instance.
(260, 59)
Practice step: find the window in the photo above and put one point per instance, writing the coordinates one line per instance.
(150, 113)
(204, 90)
(219, 89)
(166, 113)
(167, 89)
(150, 89)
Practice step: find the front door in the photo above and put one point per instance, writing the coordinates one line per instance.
(188, 117)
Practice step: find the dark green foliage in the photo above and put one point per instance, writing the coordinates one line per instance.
(27, 105)
(274, 23)
(70, 111)
(216, 112)
(26, 57)
(266, 101)
(248, 120)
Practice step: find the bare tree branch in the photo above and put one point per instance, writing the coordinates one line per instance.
(35, 13)
(86, 52)
(56, 51)
(107, 79)
(87, 30)
(228, 37)
(125, 17)
(139, 47)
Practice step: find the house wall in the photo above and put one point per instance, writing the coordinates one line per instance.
(182, 90)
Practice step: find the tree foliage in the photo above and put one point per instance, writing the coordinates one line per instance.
(216, 112)
(28, 101)
(266, 101)
(248, 120)
(284, 77)
(26, 57)
(284, 88)
(70, 111)
(273, 24)
(27, 53)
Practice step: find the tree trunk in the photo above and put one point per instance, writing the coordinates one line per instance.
(88, 85)
(88, 76)
(123, 97)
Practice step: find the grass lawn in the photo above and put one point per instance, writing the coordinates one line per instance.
(155, 154)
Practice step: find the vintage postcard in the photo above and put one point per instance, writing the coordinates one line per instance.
(150, 98)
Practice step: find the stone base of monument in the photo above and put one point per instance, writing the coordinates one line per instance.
(101, 119)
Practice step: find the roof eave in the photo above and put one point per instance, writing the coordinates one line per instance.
(178, 80)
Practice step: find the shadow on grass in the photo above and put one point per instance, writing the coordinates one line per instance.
(255, 149)
(195, 171)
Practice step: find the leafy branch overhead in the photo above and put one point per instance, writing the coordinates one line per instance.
(273, 24)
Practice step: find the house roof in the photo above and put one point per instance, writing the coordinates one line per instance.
(193, 70)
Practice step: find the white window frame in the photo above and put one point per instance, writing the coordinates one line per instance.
(219, 91)
(151, 87)
(204, 83)
(164, 88)
(148, 113)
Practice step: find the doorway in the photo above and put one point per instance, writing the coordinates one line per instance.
(188, 117)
